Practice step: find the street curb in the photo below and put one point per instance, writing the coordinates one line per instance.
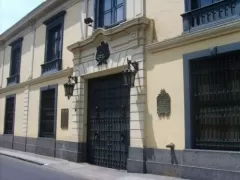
(23, 159)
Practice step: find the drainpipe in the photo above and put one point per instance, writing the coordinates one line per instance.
(31, 24)
(86, 27)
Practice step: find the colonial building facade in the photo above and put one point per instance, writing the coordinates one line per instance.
(155, 85)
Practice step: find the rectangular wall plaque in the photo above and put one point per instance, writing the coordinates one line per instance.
(64, 118)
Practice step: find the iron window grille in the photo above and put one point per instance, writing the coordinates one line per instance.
(48, 113)
(15, 64)
(215, 99)
(54, 43)
(9, 114)
(109, 13)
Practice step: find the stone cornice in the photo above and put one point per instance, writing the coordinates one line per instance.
(193, 37)
(102, 34)
(60, 74)
(32, 18)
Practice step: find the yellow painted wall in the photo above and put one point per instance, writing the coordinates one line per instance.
(63, 102)
(6, 65)
(72, 32)
(165, 71)
(166, 14)
(19, 110)
(2, 113)
(39, 50)
(26, 59)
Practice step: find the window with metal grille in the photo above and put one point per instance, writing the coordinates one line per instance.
(54, 43)
(15, 60)
(47, 113)
(215, 99)
(15, 64)
(109, 13)
(9, 114)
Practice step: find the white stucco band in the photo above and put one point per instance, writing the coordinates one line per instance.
(126, 41)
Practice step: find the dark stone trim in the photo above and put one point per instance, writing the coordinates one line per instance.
(19, 143)
(71, 151)
(187, 79)
(6, 141)
(136, 158)
(55, 17)
(16, 42)
(190, 164)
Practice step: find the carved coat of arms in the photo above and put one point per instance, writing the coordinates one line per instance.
(103, 53)
(163, 104)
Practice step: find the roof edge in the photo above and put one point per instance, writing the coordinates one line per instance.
(23, 22)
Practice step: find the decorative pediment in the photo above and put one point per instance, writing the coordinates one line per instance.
(99, 35)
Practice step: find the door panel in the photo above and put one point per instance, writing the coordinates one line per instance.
(108, 121)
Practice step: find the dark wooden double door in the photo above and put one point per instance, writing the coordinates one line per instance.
(108, 122)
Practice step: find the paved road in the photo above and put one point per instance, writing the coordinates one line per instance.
(13, 169)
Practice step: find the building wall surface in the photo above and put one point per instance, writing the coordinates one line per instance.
(161, 66)
(166, 69)
(167, 17)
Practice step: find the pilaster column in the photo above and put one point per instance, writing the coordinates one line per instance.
(31, 24)
(2, 57)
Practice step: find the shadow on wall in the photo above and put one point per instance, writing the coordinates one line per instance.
(27, 43)
(7, 56)
(40, 36)
(153, 60)
(74, 18)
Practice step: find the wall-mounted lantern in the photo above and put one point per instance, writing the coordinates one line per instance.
(88, 21)
(129, 74)
(69, 86)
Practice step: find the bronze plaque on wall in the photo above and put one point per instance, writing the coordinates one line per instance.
(64, 118)
(163, 104)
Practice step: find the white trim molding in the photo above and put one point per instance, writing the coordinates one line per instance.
(44, 78)
(126, 41)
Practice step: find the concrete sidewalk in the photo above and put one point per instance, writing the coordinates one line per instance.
(81, 170)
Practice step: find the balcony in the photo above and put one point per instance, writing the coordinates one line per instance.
(51, 66)
(14, 79)
(212, 15)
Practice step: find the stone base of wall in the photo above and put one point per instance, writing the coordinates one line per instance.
(71, 151)
(189, 164)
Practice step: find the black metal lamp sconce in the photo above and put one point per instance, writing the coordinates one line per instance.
(163, 104)
(129, 75)
(88, 21)
(69, 86)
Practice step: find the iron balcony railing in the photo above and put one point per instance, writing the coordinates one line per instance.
(51, 66)
(14, 79)
(211, 15)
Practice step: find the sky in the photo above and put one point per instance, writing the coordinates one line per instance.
(12, 11)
